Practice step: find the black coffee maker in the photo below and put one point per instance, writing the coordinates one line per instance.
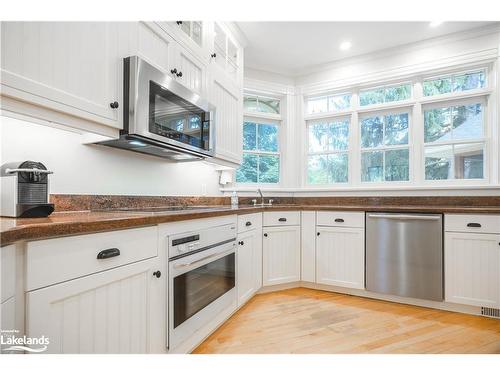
(25, 189)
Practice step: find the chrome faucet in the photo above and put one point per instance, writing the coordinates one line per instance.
(262, 202)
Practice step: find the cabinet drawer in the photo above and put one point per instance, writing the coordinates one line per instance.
(340, 219)
(56, 260)
(472, 223)
(279, 218)
(249, 222)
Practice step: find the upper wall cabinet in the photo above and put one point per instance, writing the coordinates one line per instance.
(227, 53)
(69, 67)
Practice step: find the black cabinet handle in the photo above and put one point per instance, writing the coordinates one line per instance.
(173, 71)
(179, 74)
(282, 219)
(108, 253)
(265, 234)
(114, 105)
(248, 223)
(318, 233)
(241, 243)
(179, 22)
(474, 225)
(339, 220)
(157, 274)
(214, 55)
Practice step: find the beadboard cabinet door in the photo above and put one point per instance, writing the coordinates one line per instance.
(117, 311)
(70, 67)
(472, 269)
(249, 258)
(228, 100)
(281, 255)
(340, 257)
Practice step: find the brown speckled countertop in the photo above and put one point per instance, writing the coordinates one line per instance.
(80, 222)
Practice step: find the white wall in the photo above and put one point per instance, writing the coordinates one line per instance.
(90, 169)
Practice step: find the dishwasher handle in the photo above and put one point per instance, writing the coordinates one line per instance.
(404, 217)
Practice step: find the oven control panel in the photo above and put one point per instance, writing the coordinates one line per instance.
(186, 243)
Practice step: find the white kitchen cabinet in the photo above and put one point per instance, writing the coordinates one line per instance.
(472, 268)
(192, 72)
(227, 53)
(7, 323)
(249, 259)
(228, 100)
(116, 311)
(71, 67)
(308, 246)
(281, 254)
(340, 257)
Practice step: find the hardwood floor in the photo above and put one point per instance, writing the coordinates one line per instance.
(310, 321)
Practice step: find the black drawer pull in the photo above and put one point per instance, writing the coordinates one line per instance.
(157, 274)
(282, 219)
(108, 253)
(265, 234)
(474, 225)
(248, 223)
(241, 243)
(339, 220)
(318, 233)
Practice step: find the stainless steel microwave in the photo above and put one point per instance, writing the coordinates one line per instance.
(162, 117)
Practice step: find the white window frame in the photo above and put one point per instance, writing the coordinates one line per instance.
(348, 151)
(485, 140)
(453, 74)
(383, 148)
(415, 107)
(328, 114)
(270, 119)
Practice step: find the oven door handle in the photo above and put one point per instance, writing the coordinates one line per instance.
(201, 260)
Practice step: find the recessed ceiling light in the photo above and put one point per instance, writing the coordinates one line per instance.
(435, 23)
(344, 46)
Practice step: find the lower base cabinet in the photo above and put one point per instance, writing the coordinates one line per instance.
(340, 257)
(281, 255)
(249, 259)
(115, 311)
(472, 269)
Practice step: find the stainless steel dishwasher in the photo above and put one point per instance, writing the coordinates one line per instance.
(404, 254)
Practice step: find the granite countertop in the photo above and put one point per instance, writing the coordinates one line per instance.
(81, 222)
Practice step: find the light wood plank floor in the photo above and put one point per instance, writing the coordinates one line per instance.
(310, 321)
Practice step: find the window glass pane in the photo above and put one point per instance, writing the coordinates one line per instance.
(397, 165)
(267, 139)
(338, 168)
(269, 105)
(467, 122)
(340, 135)
(250, 103)
(318, 137)
(247, 172)
(437, 125)
(469, 159)
(317, 105)
(468, 81)
(396, 93)
(269, 168)
(317, 169)
(396, 129)
(372, 166)
(437, 86)
(339, 102)
(372, 131)
(438, 162)
(249, 136)
(197, 32)
(371, 96)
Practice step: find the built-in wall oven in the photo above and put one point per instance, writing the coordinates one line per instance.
(162, 117)
(202, 279)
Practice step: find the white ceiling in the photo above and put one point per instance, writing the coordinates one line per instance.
(292, 47)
